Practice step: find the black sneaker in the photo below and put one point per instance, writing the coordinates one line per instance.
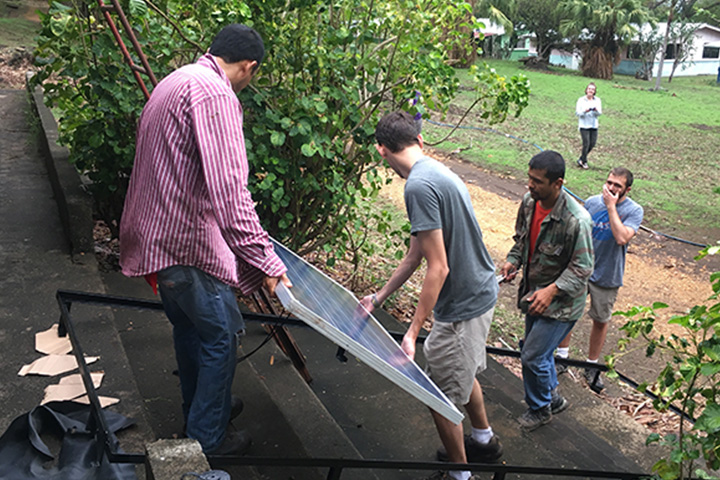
(475, 451)
(558, 404)
(236, 443)
(236, 407)
(532, 419)
(560, 368)
(593, 377)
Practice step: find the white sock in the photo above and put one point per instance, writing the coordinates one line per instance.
(562, 352)
(482, 435)
(459, 475)
(592, 361)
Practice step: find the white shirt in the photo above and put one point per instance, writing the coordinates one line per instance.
(588, 118)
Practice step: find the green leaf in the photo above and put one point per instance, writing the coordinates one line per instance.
(709, 421)
(308, 149)
(277, 138)
(652, 438)
(59, 23)
(138, 8)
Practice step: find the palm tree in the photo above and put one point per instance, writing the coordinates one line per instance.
(603, 28)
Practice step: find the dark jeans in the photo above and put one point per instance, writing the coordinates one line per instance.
(589, 139)
(205, 318)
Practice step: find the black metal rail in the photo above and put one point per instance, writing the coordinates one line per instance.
(335, 466)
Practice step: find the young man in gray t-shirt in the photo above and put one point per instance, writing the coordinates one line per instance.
(459, 286)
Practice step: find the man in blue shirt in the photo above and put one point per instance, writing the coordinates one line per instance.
(616, 219)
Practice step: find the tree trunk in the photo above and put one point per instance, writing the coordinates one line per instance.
(675, 65)
(658, 78)
(597, 63)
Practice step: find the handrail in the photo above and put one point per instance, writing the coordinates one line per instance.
(335, 466)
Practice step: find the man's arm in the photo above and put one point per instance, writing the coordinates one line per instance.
(515, 257)
(572, 280)
(432, 247)
(407, 267)
(622, 233)
(220, 140)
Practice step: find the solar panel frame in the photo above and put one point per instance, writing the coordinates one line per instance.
(398, 368)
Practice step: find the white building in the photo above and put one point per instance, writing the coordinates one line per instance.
(704, 58)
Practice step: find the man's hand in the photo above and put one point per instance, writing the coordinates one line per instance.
(508, 271)
(608, 197)
(540, 300)
(408, 345)
(270, 283)
(367, 302)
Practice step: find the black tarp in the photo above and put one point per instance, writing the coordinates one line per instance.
(25, 455)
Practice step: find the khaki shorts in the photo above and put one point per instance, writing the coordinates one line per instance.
(602, 302)
(455, 354)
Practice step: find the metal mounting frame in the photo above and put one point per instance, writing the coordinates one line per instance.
(335, 466)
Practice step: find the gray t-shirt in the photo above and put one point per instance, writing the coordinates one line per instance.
(436, 198)
(609, 256)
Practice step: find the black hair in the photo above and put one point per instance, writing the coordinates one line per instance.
(623, 172)
(237, 42)
(396, 131)
(550, 161)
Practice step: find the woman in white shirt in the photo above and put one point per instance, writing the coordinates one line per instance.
(588, 109)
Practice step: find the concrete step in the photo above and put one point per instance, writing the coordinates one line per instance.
(386, 423)
(282, 414)
(35, 262)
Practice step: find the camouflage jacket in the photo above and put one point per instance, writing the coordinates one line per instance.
(563, 254)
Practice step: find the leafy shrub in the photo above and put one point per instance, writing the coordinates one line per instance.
(690, 381)
(331, 69)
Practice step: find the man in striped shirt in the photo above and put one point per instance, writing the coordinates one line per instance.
(190, 225)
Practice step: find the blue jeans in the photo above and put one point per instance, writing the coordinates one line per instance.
(542, 336)
(205, 318)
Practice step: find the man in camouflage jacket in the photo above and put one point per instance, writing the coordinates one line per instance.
(553, 247)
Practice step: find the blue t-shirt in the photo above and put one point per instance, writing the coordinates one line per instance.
(609, 256)
(436, 198)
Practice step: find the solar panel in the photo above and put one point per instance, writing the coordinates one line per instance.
(334, 311)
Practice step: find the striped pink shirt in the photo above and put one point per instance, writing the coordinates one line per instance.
(188, 202)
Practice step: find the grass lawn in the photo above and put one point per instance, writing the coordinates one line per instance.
(15, 32)
(669, 139)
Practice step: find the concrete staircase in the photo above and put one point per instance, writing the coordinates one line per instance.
(349, 411)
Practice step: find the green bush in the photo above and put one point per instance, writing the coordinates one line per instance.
(690, 381)
(331, 69)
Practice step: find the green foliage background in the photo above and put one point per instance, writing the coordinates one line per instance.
(690, 381)
(331, 69)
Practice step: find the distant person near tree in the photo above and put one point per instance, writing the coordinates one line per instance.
(459, 287)
(553, 247)
(616, 218)
(588, 108)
